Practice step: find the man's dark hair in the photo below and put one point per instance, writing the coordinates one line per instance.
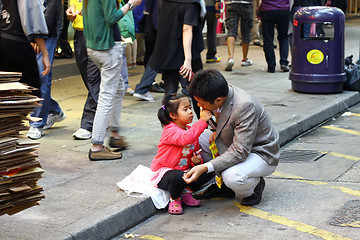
(208, 85)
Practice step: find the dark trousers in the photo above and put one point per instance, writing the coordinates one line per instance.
(18, 56)
(90, 74)
(175, 184)
(280, 19)
(211, 23)
(172, 78)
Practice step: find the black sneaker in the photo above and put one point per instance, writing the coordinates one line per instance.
(156, 88)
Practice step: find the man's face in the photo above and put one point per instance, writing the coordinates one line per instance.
(207, 105)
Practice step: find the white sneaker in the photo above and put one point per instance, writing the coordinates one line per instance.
(146, 96)
(53, 118)
(229, 64)
(35, 133)
(82, 134)
(246, 62)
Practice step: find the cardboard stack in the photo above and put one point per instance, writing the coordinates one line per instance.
(19, 166)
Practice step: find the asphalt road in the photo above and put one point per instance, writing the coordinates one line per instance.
(314, 194)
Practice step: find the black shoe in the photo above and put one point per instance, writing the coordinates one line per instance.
(271, 70)
(214, 191)
(284, 68)
(255, 198)
(156, 88)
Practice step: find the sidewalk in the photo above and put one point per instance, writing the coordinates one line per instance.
(82, 199)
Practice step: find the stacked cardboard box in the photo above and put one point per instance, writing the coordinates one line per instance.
(20, 169)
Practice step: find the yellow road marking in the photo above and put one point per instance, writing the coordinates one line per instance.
(342, 156)
(301, 179)
(151, 237)
(355, 114)
(342, 130)
(302, 227)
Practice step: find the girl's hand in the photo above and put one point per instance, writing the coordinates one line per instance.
(186, 70)
(205, 115)
(196, 158)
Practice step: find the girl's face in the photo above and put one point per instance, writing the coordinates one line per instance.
(184, 114)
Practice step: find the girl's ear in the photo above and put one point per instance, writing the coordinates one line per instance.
(173, 116)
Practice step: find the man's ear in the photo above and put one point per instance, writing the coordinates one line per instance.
(173, 116)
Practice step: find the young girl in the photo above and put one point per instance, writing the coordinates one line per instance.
(178, 151)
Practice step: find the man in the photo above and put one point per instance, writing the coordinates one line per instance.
(245, 138)
(238, 10)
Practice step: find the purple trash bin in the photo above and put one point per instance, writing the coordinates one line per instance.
(318, 50)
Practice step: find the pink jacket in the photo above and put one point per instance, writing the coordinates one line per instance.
(176, 149)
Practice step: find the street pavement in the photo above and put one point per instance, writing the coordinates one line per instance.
(82, 198)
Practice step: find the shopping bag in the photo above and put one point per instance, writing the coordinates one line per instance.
(138, 184)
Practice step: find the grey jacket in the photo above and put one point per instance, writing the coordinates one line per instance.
(244, 127)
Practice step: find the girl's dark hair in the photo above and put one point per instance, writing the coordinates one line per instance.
(171, 104)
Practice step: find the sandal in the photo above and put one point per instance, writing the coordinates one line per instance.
(188, 200)
(175, 207)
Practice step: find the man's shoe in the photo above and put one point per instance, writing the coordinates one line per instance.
(284, 68)
(146, 96)
(82, 134)
(229, 64)
(104, 154)
(129, 92)
(214, 191)
(246, 62)
(35, 133)
(257, 43)
(156, 88)
(53, 118)
(255, 198)
(213, 60)
(118, 143)
(271, 70)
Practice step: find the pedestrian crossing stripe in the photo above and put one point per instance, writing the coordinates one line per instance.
(302, 227)
(342, 130)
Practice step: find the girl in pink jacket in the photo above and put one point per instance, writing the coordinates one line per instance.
(178, 151)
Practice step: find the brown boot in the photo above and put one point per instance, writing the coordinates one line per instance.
(118, 143)
(104, 154)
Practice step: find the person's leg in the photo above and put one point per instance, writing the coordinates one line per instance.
(232, 22)
(45, 89)
(246, 13)
(109, 63)
(268, 36)
(146, 80)
(211, 22)
(90, 75)
(173, 182)
(282, 25)
(171, 79)
(242, 178)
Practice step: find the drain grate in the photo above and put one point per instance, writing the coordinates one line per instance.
(348, 215)
(289, 156)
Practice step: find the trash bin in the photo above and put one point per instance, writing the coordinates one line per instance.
(318, 50)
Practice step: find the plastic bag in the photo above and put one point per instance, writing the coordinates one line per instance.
(138, 184)
(352, 75)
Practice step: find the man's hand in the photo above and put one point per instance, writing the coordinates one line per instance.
(194, 173)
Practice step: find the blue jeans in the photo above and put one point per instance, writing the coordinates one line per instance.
(48, 104)
(146, 80)
(124, 69)
(111, 91)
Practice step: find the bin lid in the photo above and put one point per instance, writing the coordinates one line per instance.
(319, 14)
